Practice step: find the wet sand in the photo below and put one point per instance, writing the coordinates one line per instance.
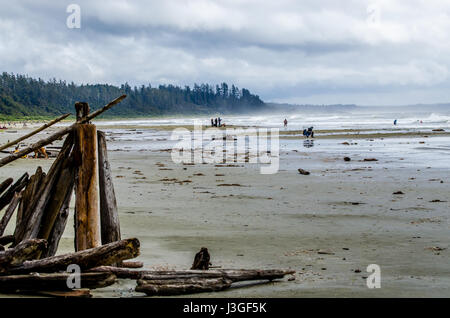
(328, 226)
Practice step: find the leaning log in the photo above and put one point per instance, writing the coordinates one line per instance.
(40, 200)
(182, 287)
(23, 213)
(9, 212)
(109, 216)
(34, 132)
(6, 198)
(103, 255)
(5, 184)
(52, 281)
(234, 275)
(58, 135)
(26, 250)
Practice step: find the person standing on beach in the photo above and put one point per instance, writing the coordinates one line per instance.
(220, 119)
(285, 122)
(212, 122)
(215, 122)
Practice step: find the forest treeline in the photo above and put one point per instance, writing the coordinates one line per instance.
(23, 96)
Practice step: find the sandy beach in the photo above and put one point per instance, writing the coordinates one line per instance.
(328, 226)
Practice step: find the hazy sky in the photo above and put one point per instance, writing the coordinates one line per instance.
(310, 51)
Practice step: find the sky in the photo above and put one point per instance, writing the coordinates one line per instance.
(374, 52)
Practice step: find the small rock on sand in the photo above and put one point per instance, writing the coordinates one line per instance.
(347, 159)
(398, 192)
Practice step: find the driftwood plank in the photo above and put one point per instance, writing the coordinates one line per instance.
(58, 135)
(103, 255)
(9, 212)
(109, 216)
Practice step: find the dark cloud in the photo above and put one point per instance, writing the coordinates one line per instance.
(296, 51)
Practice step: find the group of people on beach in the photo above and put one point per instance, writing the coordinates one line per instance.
(306, 132)
(39, 153)
(217, 122)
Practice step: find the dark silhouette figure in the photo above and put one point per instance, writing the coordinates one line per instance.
(201, 260)
(285, 122)
(212, 122)
(220, 119)
(215, 122)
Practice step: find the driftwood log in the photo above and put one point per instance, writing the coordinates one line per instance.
(109, 216)
(182, 287)
(27, 250)
(87, 218)
(7, 239)
(9, 212)
(52, 281)
(58, 135)
(34, 132)
(235, 275)
(103, 255)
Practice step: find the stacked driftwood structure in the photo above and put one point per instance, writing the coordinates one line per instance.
(28, 261)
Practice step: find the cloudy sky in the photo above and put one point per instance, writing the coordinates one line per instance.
(374, 52)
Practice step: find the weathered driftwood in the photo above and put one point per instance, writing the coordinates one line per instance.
(53, 281)
(62, 189)
(9, 212)
(59, 134)
(59, 226)
(34, 132)
(26, 250)
(234, 275)
(5, 184)
(6, 198)
(87, 217)
(182, 287)
(41, 198)
(86, 259)
(132, 264)
(109, 216)
(23, 213)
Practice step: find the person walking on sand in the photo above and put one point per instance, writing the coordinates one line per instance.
(285, 122)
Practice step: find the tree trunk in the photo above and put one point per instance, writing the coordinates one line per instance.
(86, 259)
(109, 216)
(86, 192)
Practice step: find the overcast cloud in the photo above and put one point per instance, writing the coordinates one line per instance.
(310, 51)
